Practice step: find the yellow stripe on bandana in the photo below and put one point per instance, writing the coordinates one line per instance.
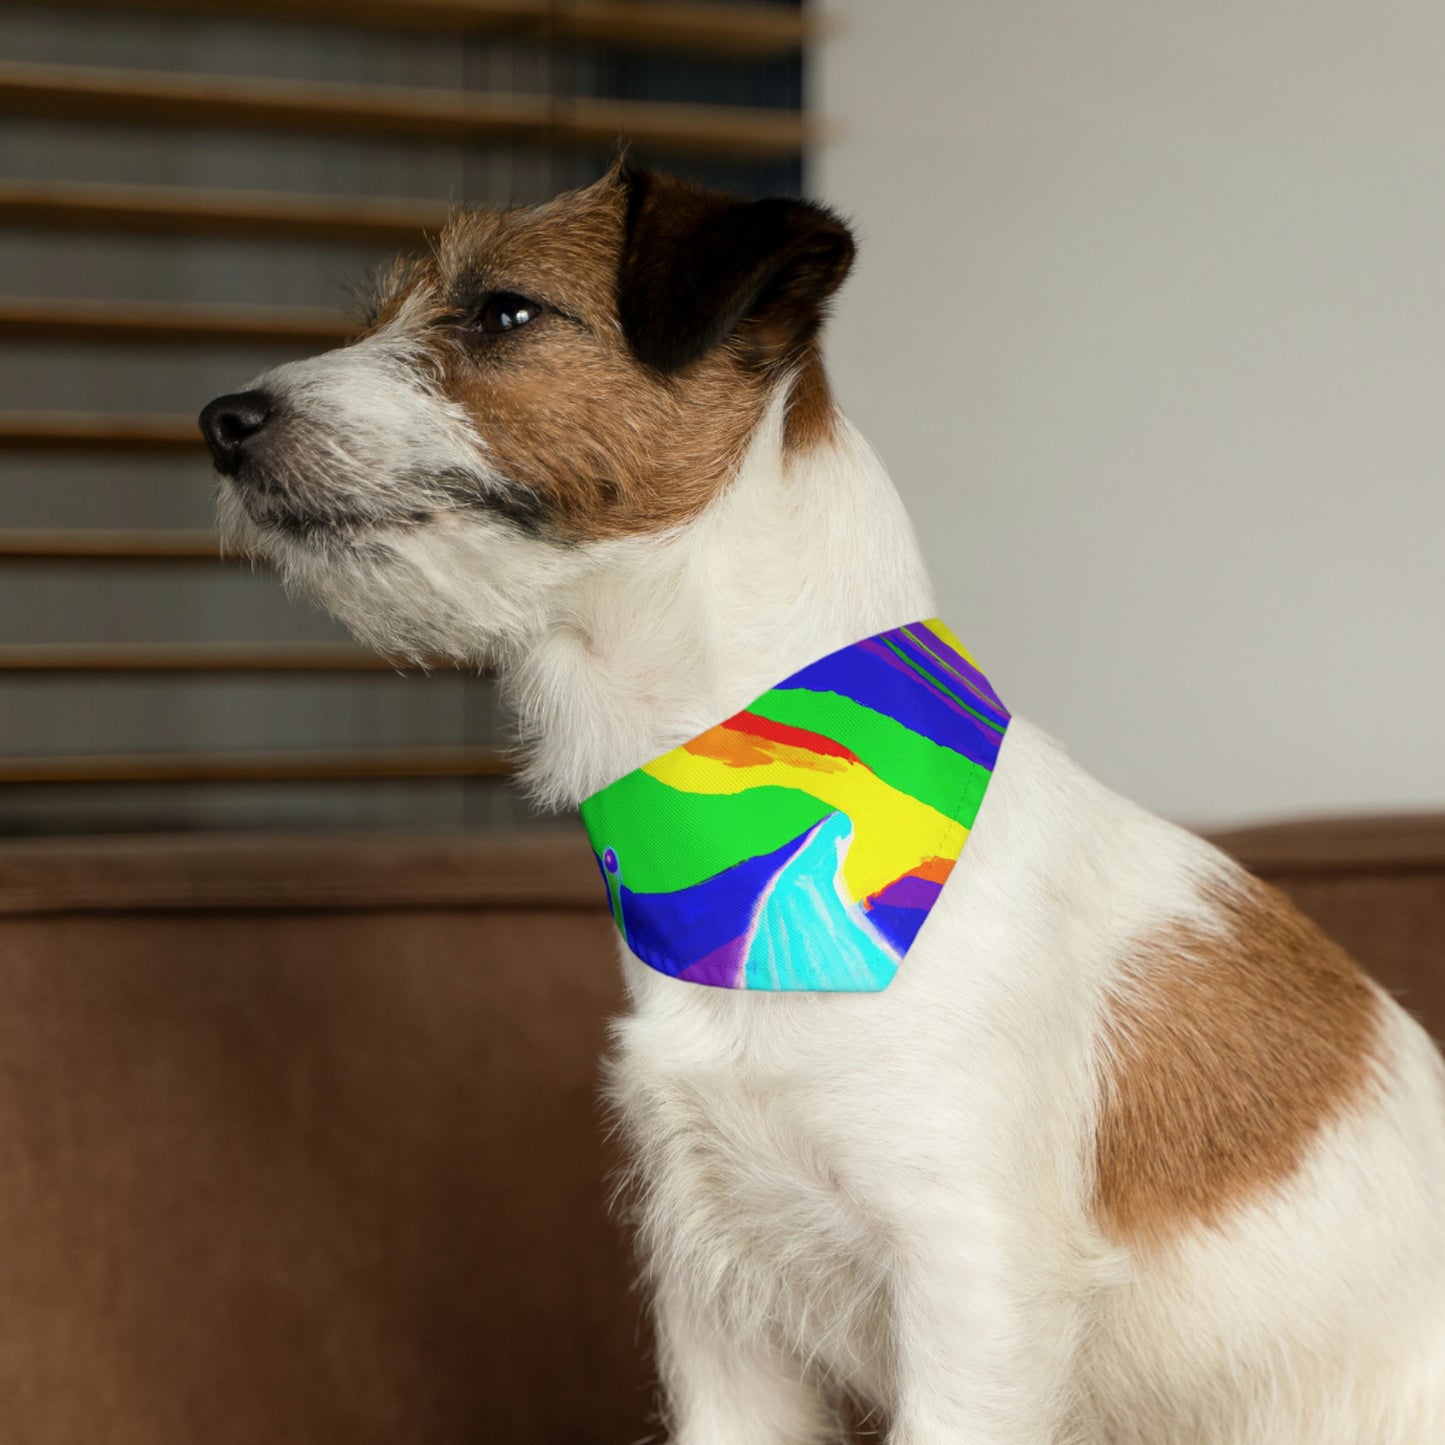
(892, 831)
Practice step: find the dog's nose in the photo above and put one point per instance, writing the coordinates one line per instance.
(229, 422)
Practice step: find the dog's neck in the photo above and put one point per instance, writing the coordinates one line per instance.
(804, 553)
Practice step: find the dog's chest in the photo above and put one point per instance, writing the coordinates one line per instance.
(747, 1187)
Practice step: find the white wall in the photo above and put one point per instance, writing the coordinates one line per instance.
(1149, 324)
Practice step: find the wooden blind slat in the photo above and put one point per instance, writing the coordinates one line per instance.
(160, 98)
(360, 764)
(754, 31)
(705, 29)
(168, 323)
(93, 431)
(181, 657)
(112, 96)
(172, 210)
(106, 546)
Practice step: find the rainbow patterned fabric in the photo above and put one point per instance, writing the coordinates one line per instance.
(801, 844)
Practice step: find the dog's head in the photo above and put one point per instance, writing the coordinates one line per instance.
(546, 383)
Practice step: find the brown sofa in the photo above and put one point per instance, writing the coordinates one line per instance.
(299, 1141)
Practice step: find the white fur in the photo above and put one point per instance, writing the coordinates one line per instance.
(890, 1194)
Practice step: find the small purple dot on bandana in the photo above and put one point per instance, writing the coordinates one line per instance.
(609, 861)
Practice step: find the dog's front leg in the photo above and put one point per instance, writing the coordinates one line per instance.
(723, 1388)
(985, 1350)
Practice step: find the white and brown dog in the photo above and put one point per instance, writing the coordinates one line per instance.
(1128, 1152)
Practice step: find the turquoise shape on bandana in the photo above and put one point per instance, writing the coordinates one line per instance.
(807, 934)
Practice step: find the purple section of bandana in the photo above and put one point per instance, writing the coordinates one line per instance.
(929, 648)
(899, 910)
(898, 925)
(722, 968)
(971, 723)
(908, 892)
(930, 654)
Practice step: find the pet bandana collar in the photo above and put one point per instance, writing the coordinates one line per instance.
(801, 843)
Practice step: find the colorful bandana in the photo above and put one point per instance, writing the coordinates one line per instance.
(801, 843)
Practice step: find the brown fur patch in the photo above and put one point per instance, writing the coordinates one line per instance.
(595, 442)
(812, 413)
(1228, 1052)
(598, 445)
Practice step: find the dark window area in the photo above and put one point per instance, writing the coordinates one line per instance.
(161, 234)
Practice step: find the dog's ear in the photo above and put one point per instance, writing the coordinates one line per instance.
(699, 267)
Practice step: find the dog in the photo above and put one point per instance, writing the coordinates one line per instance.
(1127, 1152)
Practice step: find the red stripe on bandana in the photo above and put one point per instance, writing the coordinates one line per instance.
(763, 727)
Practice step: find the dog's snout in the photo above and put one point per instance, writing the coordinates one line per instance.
(229, 422)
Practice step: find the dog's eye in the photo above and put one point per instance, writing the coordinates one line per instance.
(505, 311)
